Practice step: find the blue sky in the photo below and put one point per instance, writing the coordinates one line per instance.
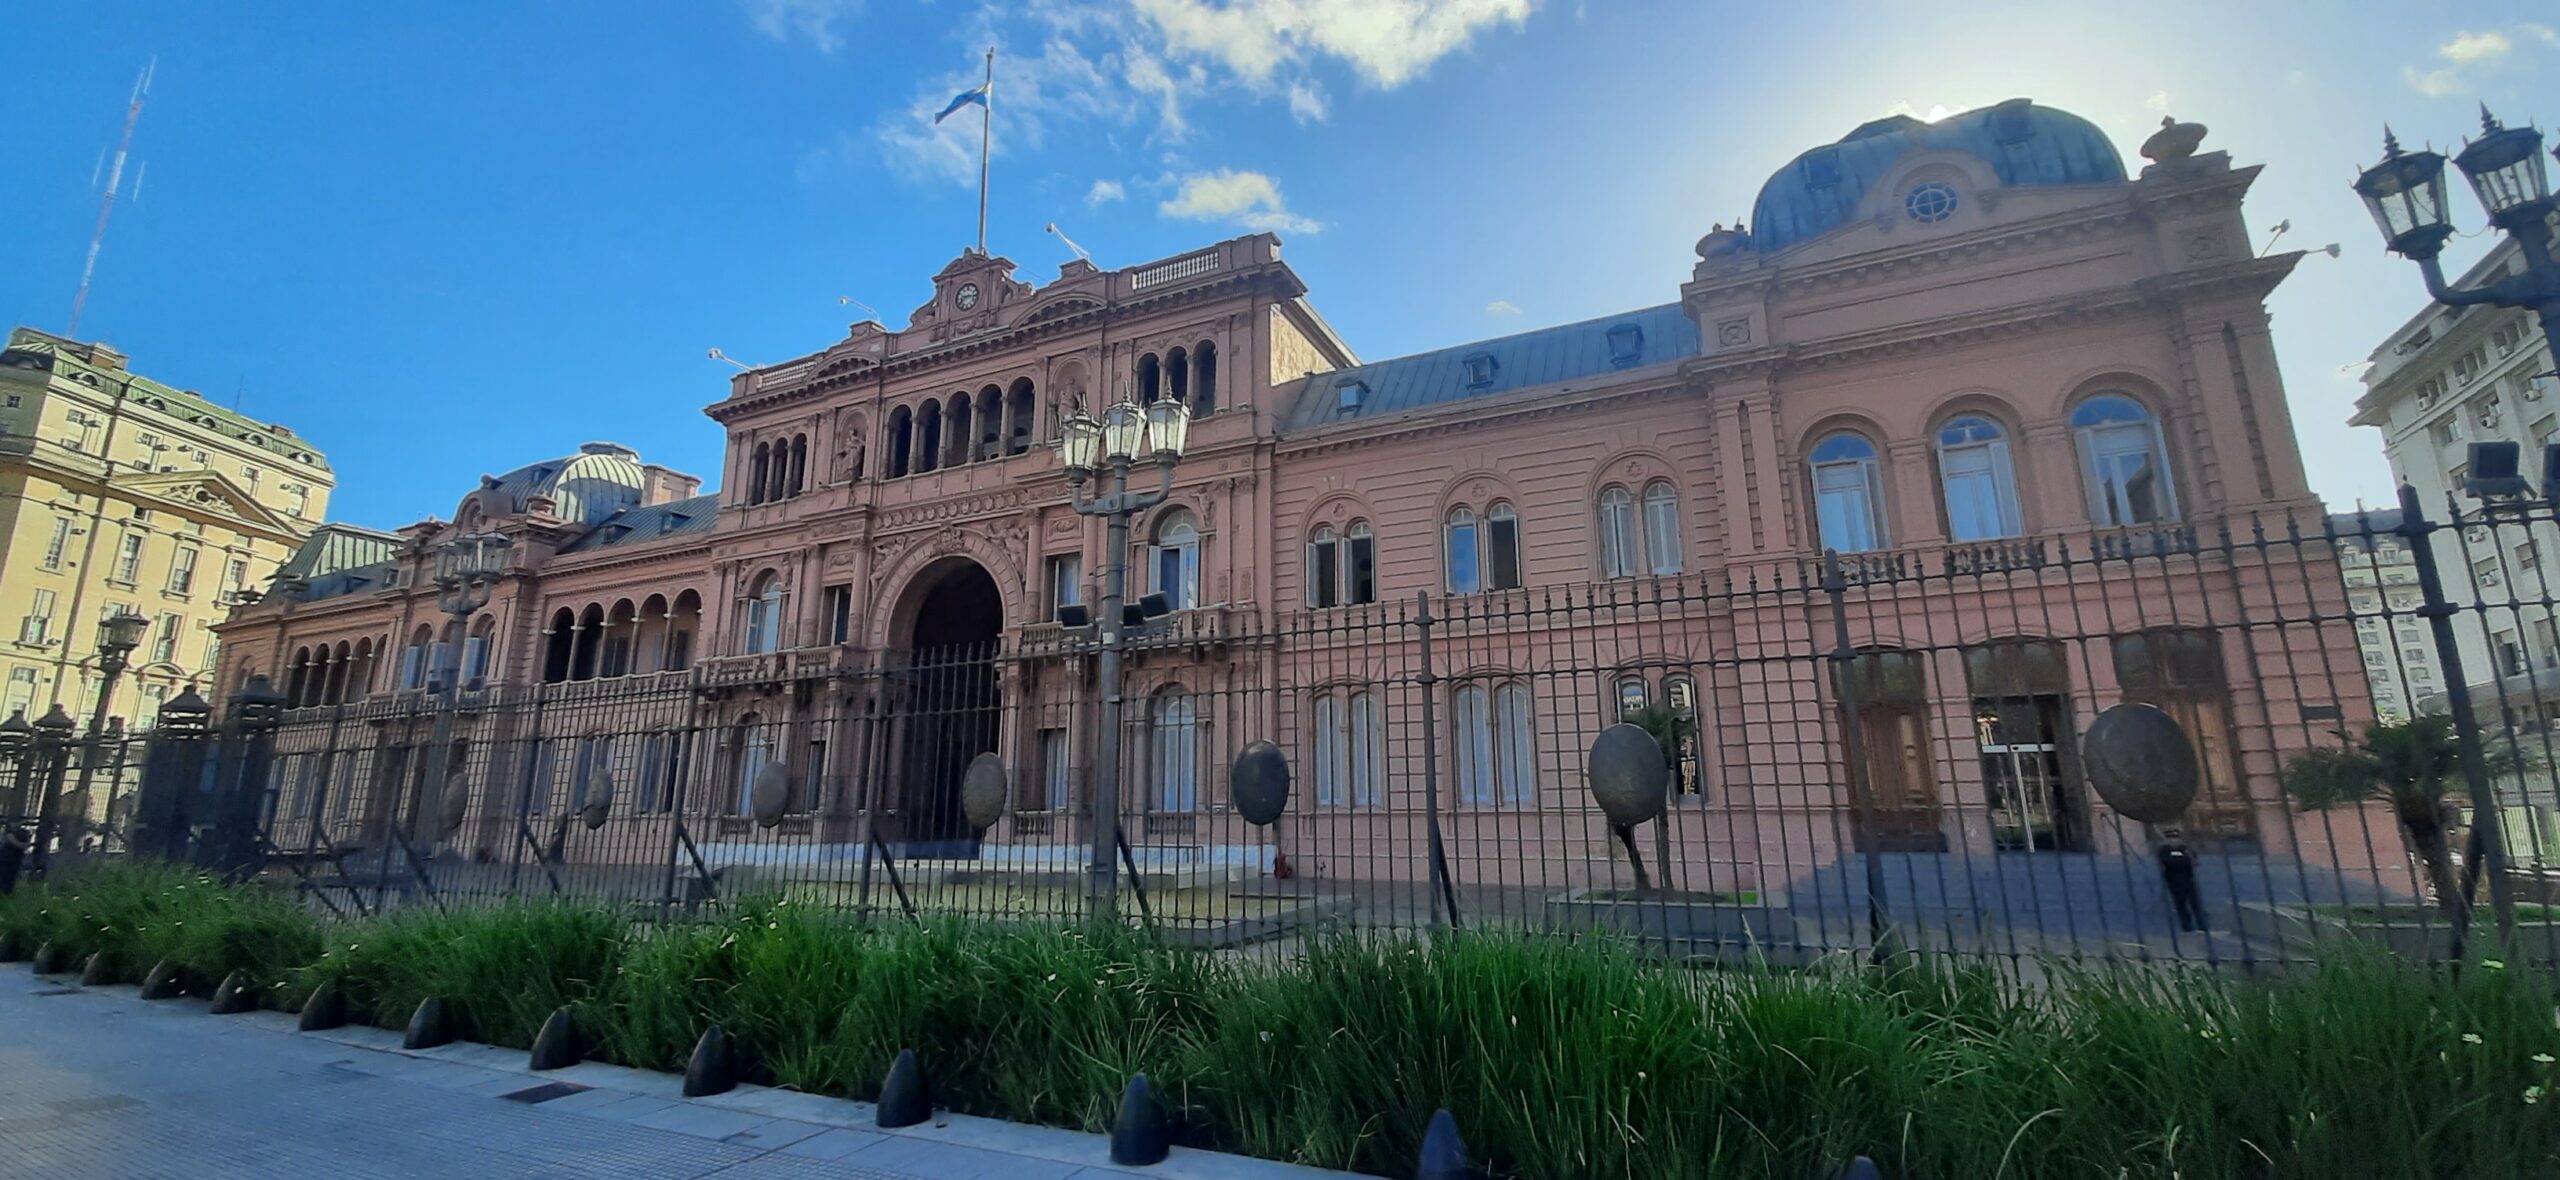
(447, 239)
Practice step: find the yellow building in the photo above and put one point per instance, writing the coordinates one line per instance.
(119, 493)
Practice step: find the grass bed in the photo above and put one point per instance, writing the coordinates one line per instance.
(1577, 1060)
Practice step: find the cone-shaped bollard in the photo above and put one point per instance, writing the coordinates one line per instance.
(1138, 1136)
(1444, 1155)
(904, 1099)
(556, 1046)
(714, 1066)
(327, 1008)
(1861, 1168)
(163, 982)
(428, 1026)
(235, 995)
(13, 946)
(97, 971)
(49, 958)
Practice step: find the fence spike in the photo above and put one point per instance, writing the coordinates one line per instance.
(163, 983)
(236, 995)
(713, 1068)
(556, 1046)
(905, 1100)
(1138, 1136)
(325, 1008)
(1444, 1155)
(428, 1026)
(97, 970)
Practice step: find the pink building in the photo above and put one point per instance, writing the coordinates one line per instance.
(2030, 401)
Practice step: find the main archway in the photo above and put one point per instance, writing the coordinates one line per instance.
(947, 628)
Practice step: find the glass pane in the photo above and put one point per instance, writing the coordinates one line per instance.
(1844, 507)
(1462, 556)
(1519, 745)
(1475, 746)
(1329, 751)
(1324, 573)
(1504, 573)
(1367, 766)
(1662, 529)
(1364, 568)
(1617, 534)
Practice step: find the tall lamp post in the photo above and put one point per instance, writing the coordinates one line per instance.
(467, 572)
(2405, 193)
(118, 635)
(1110, 447)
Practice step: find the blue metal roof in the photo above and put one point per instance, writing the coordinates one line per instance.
(2025, 144)
(601, 479)
(632, 526)
(1541, 357)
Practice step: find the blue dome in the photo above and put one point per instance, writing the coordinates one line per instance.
(2025, 145)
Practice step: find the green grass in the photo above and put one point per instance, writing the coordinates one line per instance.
(1560, 1059)
(138, 915)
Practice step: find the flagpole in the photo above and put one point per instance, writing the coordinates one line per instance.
(986, 132)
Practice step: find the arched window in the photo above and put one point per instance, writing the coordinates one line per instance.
(1848, 511)
(901, 440)
(799, 464)
(1177, 375)
(928, 452)
(621, 628)
(1018, 410)
(1150, 379)
(1204, 379)
(2124, 465)
(1662, 527)
(1617, 533)
(758, 480)
(1175, 561)
(556, 640)
(1324, 568)
(764, 615)
(296, 681)
(1176, 736)
(1465, 563)
(1975, 477)
(1501, 547)
(1349, 766)
(1359, 564)
(990, 412)
(476, 652)
(956, 446)
(1496, 750)
(750, 751)
(413, 659)
(682, 620)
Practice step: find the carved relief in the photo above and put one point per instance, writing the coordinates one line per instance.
(850, 432)
(1730, 333)
(2206, 246)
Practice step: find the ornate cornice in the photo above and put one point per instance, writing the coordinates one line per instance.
(1525, 406)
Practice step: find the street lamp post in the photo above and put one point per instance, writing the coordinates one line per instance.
(1090, 447)
(118, 635)
(2405, 194)
(467, 572)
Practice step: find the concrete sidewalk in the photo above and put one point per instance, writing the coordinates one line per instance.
(99, 1083)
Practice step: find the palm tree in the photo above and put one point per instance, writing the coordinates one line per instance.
(2411, 765)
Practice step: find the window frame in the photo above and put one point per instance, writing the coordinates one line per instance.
(1868, 494)
(1999, 469)
(2104, 510)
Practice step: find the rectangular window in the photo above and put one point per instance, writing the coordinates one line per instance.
(2511, 657)
(212, 655)
(235, 572)
(55, 544)
(1844, 507)
(1324, 573)
(128, 558)
(412, 659)
(839, 604)
(182, 571)
(1982, 502)
(1368, 751)
(38, 625)
(22, 692)
(1462, 555)
(1333, 748)
(2485, 572)
(811, 788)
(164, 639)
(1057, 791)
(537, 783)
(1065, 581)
(475, 660)
(648, 795)
(2546, 642)
(1502, 549)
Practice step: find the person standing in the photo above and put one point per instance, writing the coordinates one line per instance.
(2178, 872)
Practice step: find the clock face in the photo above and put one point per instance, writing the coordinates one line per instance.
(968, 297)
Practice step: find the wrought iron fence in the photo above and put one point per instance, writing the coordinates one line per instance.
(1878, 743)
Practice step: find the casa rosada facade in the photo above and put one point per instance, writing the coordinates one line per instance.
(1942, 346)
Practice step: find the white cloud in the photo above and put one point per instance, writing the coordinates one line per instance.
(1104, 192)
(1306, 103)
(1501, 307)
(2469, 52)
(1058, 84)
(1249, 199)
(1389, 42)
(815, 20)
(2158, 103)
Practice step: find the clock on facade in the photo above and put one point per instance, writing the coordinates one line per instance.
(968, 297)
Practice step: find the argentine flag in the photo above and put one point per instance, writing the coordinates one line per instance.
(976, 95)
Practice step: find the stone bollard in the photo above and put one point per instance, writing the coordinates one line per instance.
(905, 1100)
(1139, 1136)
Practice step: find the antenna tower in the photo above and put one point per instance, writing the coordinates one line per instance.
(107, 206)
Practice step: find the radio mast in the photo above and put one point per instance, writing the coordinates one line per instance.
(107, 205)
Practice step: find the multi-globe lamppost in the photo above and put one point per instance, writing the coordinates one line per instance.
(118, 635)
(1109, 446)
(467, 572)
(2405, 194)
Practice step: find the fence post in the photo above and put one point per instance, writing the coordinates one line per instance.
(172, 774)
(1443, 891)
(2486, 827)
(1844, 674)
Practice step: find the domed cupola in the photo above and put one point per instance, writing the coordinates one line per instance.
(2023, 144)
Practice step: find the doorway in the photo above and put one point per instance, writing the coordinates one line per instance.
(951, 703)
(2022, 725)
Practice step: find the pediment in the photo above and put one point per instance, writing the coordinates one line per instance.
(1059, 308)
(207, 493)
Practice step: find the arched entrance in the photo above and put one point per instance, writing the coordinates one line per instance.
(949, 702)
